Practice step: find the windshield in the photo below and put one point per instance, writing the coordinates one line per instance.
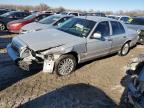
(7, 14)
(50, 19)
(136, 21)
(30, 17)
(78, 27)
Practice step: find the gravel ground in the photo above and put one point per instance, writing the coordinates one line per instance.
(94, 84)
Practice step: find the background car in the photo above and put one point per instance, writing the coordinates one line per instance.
(111, 16)
(70, 13)
(124, 19)
(11, 16)
(137, 23)
(51, 21)
(2, 11)
(78, 40)
(95, 14)
(15, 26)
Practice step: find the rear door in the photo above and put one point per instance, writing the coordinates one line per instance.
(102, 46)
(118, 35)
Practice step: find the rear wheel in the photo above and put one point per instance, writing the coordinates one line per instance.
(65, 64)
(2, 26)
(125, 49)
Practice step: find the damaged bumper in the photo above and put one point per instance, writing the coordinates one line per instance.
(27, 65)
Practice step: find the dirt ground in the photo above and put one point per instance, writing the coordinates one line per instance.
(94, 84)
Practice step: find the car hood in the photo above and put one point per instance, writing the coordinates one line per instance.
(135, 27)
(35, 26)
(46, 39)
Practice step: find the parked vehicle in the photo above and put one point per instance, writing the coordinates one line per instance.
(137, 23)
(135, 92)
(111, 16)
(2, 11)
(15, 26)
(49, 22)
(96, 14)
(78, 40)
(11, 16)
(124, 19)
(70, 13)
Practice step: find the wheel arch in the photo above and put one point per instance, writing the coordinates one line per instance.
(128, 41)
(75, 54)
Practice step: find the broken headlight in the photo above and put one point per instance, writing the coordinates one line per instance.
(25, 53)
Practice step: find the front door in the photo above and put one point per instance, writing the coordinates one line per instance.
(100, 46)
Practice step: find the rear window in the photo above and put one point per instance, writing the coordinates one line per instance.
(50, 19)
(117, 28)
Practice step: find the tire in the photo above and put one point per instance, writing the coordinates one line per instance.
(125, 49)
(65, 61)
(2, 26)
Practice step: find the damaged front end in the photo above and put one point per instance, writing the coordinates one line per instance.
(28, 60)
(141, 36)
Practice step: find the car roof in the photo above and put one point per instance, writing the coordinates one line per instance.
(60, 15)
(97, 18)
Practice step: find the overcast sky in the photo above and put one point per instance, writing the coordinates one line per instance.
(102, 5)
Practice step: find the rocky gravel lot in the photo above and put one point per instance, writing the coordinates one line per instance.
(94, 84)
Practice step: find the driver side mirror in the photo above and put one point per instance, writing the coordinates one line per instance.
(97, 35)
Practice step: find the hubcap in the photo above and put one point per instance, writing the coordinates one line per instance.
(125, 49)
(2, 27)
(65, 66)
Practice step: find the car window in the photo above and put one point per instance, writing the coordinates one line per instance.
(77, 27)
(62, 20)
(30, 17)
(117, 28)
(14, 15)
(18, 15)
(49, 20)
(125, 19)
(103, 28)
(75, 14)
(42, 17)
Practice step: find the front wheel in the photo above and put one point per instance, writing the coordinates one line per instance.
(2, 27)
(125, 49)
(65, 64)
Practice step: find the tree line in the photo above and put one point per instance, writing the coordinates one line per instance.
(45, 7)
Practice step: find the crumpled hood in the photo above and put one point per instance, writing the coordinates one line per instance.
(35, 26)
(46, 39)
(135, 27)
